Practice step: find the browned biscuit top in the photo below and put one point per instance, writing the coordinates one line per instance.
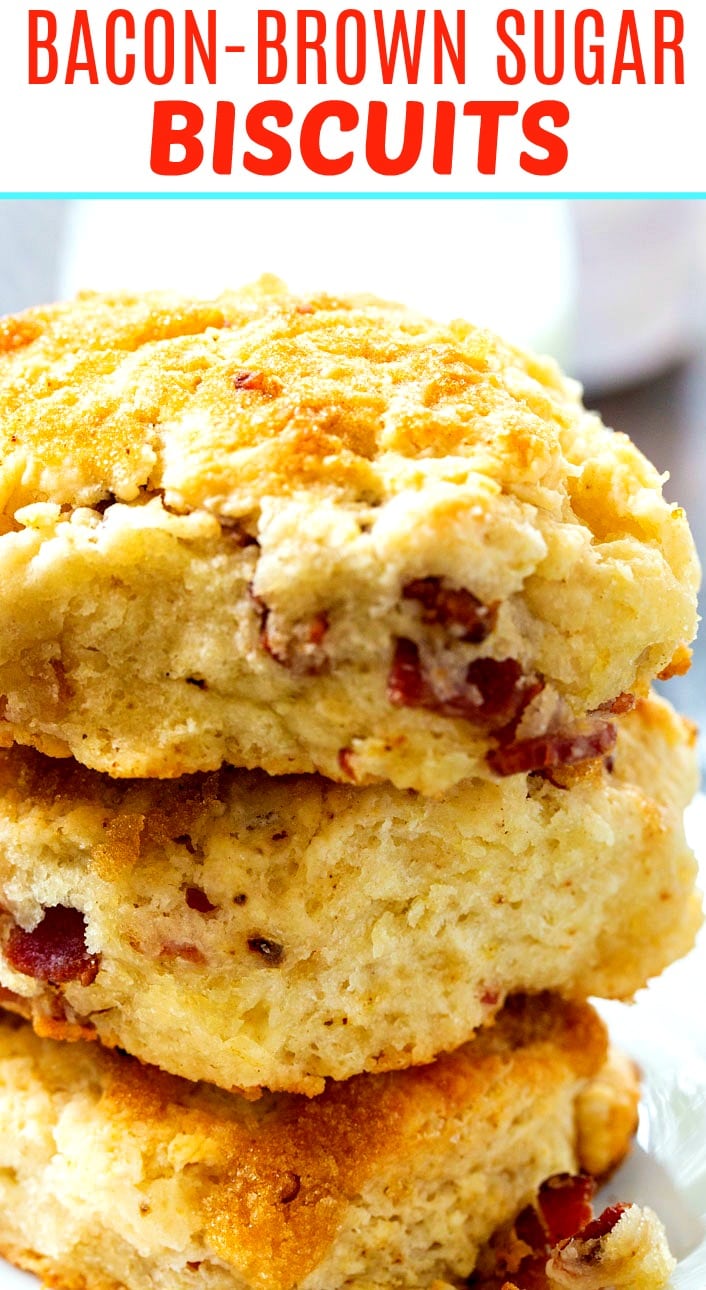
(217, 404)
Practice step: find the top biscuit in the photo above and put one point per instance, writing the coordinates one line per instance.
(318, 534)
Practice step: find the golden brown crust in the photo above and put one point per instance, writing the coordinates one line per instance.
(332, 1143)
(308, 389)
(52, 355)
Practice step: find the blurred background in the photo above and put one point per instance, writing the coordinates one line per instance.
(616, 290)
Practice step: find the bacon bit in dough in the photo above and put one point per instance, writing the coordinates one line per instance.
(198, 900)
(565, 1205)
(345, 762)
(602, 1225)
(495, 692)
(452, 607)
(55, 950)
(259, 382)
(318, 628)
(490, 997)
(618, 707)
(546, 751)
(249, 380)
(64, 689)
(301, 650)
(406, 684)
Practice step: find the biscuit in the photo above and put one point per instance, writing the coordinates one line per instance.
(113, 1174)
(318, 535)
(254, 931)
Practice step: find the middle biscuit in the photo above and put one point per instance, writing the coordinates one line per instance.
(253, 931)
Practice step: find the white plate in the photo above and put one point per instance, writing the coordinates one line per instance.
(665, 1031)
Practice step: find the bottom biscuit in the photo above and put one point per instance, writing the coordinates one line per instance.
(115, 1174)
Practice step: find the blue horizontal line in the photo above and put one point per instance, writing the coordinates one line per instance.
(353, 196)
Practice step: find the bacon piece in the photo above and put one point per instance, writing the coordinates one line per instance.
(302, 650)
(198, 900)
(602, 1225)
(529, 1227)
(452, 607)
(406, 684)
(268, 386)
(346, 764)
(515, 1269)
(249, 380)
(490, 996)
(619, 706)
(318, 627)
(546, 751)
(55, 950)
(64, 688)
(495, 692)
(564, 1204)
(504, 689)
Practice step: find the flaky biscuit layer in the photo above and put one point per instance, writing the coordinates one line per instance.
(256, 931)
(320, 535)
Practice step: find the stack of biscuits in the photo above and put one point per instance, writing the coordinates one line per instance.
(331, 787)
